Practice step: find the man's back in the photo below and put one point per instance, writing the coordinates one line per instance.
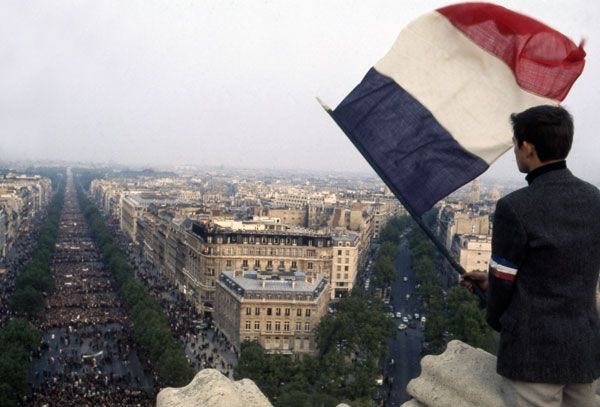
(550, 331)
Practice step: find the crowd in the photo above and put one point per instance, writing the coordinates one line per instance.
(204, 345)
(87, 355)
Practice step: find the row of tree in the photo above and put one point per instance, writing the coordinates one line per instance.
(384, 271)
(451, 315)
(151, 329)
(34, 280)
(18, 337)
(350, 342)
(455, 315)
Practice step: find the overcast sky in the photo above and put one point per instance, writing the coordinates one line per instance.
(223, 82)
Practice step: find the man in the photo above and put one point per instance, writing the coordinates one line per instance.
(542, 280)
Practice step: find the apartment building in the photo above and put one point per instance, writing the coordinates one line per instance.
(279, 310)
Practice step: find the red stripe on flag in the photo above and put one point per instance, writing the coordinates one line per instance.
(501, 275)
(543, 60)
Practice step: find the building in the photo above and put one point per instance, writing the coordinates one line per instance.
(279, 310)
(473, 252)
(264, 244)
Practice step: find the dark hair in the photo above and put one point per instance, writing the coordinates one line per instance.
(548, 128)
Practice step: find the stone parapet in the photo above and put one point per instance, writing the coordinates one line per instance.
(210, 388)
(461, 376)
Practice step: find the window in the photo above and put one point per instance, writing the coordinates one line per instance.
(309, 266)
(345, 268)
(268, 325)
(270, 263)
(248, 310)
(256, 311)
(286, 326)
(339, 268)
(228, 263)
(287, 312)
(256, 263)
(339, 252)
(347, 252)
(299, 312)
(277, 326)
(346, 260)
(269, 311)
(307, 327)
(278, 311)
(338, 276)
(247, 325)
(257, 325)
(298, 326)
(294, 264)
(307, 312)
(244, 263)
(345, 276)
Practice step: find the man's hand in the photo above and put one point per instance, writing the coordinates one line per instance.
(474, 277)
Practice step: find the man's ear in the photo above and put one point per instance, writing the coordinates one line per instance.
(529, 149)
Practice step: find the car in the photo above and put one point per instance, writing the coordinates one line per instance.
(423, 319)
(405, 278)
(405, 319)
(416, 315)
(402, 327)
(398, 314)
(390, 314)
(407, 296)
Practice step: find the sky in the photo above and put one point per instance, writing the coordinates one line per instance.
(233, 83)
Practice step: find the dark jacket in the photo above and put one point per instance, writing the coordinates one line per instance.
(543, 277)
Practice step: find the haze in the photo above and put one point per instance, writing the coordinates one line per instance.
(229, 83)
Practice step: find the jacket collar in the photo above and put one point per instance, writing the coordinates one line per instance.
(559, 165)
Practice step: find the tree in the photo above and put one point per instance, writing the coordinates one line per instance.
(27, 301)
(384, 272)
(466, 321)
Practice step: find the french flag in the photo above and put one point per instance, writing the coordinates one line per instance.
(434, 112)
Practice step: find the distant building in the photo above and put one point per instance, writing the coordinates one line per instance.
(473, 252)
(279, 310)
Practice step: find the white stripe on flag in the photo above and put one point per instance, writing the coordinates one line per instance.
(468, 90)
(503, 269)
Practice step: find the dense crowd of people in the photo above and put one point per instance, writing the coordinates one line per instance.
(204, 345)
(87, 355)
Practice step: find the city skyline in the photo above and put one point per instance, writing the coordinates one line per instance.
(211, 84)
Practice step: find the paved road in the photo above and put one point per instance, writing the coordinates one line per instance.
(405, 348)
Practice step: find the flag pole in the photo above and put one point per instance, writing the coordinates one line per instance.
(434, 239)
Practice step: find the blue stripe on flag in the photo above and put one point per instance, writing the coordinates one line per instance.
(404, 143)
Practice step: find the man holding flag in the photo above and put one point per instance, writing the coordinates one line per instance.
(433, 114)
(544, 269)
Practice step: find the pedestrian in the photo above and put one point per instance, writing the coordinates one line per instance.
(542, 280)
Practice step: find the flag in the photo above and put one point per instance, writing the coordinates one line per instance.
(433, 113)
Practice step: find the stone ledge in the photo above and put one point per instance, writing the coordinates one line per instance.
(210, 388)
(461, 376)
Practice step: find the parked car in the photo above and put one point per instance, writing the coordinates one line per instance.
(405, 278)
(407, 296)
(416, 315)
(398, 314)
(423, 319)
(405, 319)
(402, 327)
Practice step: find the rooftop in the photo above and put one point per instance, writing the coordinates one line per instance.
(247, 282)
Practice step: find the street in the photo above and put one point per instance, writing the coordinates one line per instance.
(405, 347)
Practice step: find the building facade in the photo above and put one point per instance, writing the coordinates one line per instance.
(279, 310)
